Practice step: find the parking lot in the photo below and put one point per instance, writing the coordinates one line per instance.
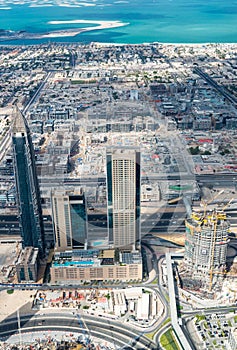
(214, 331)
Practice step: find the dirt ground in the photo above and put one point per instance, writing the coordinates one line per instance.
(9, 303)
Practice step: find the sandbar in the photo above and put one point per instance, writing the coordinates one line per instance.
(76, 31)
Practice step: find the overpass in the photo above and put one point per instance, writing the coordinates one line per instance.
(175, 321)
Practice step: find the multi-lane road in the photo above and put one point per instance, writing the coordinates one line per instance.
(221, 179)
(46, 181)
(115, 332)
(162, 222)
(221, 89)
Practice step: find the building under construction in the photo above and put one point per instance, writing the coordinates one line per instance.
(206, 245)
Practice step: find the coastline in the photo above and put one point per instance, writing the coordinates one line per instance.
(164, 43)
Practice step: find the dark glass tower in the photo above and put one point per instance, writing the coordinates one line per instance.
(27, 188)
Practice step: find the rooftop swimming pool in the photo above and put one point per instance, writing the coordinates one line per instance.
(74, 263)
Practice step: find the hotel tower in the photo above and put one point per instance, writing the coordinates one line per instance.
(123, 196)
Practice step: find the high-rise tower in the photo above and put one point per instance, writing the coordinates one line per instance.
(206, 244)
(123, 196)
(27, 188)
(70, 219)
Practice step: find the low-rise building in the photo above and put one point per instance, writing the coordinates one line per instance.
(119, 303)
(143, 307)
(73, 267)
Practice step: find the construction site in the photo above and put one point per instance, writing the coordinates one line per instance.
(50, 343)
(206, 265)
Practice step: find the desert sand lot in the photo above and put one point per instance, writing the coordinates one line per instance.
(9, 303)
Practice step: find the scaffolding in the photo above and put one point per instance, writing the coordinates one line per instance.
(206, 243)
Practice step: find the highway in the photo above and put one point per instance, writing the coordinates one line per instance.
(36, 94)
(211, 310)
(221, 89)
(105, 329)
(225, 180)
(49, 180)
(163, 222)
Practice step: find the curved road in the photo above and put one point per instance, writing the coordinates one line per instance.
(105, 329)
(162, 294)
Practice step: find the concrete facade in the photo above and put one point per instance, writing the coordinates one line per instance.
(95, 265)
(27, 265)
(124, 192)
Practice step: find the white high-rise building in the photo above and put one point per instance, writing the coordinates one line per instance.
(123, 196)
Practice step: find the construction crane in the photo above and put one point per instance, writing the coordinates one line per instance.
(217, 215)
(230, 201)
(205, 204)
(212, 255)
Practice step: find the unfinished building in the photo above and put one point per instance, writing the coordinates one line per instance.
(206, 246)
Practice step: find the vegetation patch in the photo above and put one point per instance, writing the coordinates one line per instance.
(10, 291)
(155, 281)
(167, 298)
(168, 340)
(86, 307)
(74, 82)
(180, 307)
(200, 317)
(165, 322)
(150, 335)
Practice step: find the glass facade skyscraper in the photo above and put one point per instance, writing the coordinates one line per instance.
(70, 219)
(27, 188)
(123, 196)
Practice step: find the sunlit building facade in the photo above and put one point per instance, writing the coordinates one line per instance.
(123, 196)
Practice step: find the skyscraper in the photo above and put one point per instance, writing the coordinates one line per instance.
(27, 188)
(70, 219)
(123, 196)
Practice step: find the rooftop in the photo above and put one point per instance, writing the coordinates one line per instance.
(95, 258)
(19, 123)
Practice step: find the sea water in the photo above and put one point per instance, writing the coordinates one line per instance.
(167, 21)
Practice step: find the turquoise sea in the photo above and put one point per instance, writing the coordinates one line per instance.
(167, 21)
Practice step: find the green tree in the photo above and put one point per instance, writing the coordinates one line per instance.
(194, 150)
